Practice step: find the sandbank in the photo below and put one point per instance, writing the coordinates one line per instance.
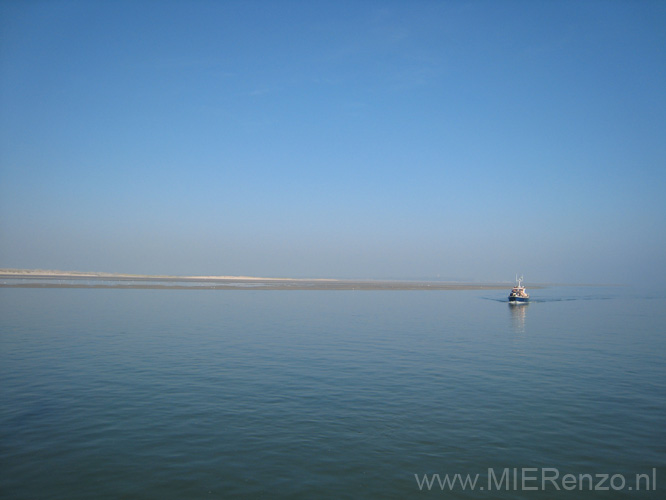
(22, 278)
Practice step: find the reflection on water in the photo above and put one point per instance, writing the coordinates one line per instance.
(518, 315)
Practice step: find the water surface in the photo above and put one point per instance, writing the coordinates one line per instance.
(324, 394)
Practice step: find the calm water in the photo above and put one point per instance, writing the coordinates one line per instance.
(264, 394)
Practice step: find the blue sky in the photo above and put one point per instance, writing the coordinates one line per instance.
(421, 139)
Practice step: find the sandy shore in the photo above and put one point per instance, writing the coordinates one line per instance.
(41, 273)
(65, 279)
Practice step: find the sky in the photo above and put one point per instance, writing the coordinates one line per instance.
(458, 140)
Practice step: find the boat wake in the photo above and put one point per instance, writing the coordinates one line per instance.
(545, 300)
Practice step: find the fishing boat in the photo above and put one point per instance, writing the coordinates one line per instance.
(518, 294)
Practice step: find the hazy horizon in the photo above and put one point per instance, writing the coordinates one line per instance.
(389, 140)
(105, 274)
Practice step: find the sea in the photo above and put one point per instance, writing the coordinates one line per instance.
(188, 394)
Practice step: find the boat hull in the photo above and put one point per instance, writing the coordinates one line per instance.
(519, 300)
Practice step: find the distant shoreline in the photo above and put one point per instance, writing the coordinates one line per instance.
(76, 279)
(41, 273)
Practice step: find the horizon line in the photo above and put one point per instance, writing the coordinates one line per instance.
(52, 273)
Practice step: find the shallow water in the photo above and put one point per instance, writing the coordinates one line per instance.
(318, 394)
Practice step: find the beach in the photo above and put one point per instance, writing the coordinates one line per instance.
(21, 278)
